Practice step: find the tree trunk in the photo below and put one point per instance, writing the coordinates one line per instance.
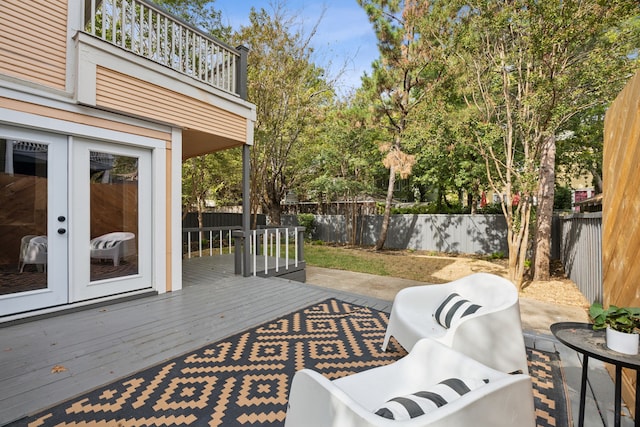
(275, 214)
(387, 209)
(597, 179)
(271, 201)
(546, 182)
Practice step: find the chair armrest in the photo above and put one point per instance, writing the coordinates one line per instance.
(503, 349)
(315, 401)
(505, 402)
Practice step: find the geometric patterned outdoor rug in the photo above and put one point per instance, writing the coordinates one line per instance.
(244, 380)
(549, 389)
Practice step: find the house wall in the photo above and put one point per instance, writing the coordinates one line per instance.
(57, 79)
(621, 206)
(134, 96)
(33, 36)
(117, 80)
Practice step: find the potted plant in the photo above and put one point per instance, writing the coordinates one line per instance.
(621, 324)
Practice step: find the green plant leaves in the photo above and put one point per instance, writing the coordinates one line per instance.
(623, 319)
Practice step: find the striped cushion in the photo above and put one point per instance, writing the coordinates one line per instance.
(452, 309)
(423, 402)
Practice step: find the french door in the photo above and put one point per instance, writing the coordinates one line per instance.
(110, 250)
(75, 219)
(33, 220)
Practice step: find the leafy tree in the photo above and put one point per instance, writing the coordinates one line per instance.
(199, 13)
(216, 177)
(580, 150)
(400, 80)
(289, 91)
(445, 162)
(533, 65)
(340, 161)
(582, 49)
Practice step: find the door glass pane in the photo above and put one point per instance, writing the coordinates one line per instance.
(23, 216)
(114, 215)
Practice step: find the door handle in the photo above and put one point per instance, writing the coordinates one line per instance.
(62, 230)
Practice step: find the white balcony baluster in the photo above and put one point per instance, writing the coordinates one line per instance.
(146, 30)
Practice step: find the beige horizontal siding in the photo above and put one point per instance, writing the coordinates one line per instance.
(128, 94)
(53, 113)
(33, 40)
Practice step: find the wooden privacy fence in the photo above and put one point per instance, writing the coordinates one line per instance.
(621, 207)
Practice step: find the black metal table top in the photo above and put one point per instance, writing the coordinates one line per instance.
(582, 338)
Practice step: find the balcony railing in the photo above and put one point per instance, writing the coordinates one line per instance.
(146, 30)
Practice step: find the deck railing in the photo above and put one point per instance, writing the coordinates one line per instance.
(146, 30)
(276, 243)
(272, 251)
(207, 241)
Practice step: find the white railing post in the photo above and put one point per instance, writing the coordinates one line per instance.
(255, 256)
(163, 38)
(277, 248)
(286, 248)
(296, 244)
(265, 250)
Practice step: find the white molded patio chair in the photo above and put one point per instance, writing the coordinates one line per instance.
(504, 401)
(33, 250)
(492, 334)
(113, 246)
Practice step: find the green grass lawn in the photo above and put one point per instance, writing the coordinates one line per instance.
(346, 259)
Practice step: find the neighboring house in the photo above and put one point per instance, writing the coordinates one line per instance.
(100, 102)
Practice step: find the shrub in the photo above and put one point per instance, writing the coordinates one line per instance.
(308, 222)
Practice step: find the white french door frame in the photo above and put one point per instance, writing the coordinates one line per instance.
(56, 292)
(19, 124)
(81, 287)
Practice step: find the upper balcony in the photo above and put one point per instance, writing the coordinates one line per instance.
(144, 29)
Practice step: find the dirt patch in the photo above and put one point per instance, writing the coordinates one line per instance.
(433, 267)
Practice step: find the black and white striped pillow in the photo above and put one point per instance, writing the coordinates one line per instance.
(423, 402)
(454, 308)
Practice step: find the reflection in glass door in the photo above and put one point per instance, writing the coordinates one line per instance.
(23, 198)
(33, 267)
(114, 218)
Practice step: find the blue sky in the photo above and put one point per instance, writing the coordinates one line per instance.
(345, 37)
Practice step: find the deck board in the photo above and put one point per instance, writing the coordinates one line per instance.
(102, 344)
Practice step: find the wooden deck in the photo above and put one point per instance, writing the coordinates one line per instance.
(99, 345)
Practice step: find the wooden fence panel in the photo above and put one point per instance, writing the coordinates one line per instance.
(621, 206)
